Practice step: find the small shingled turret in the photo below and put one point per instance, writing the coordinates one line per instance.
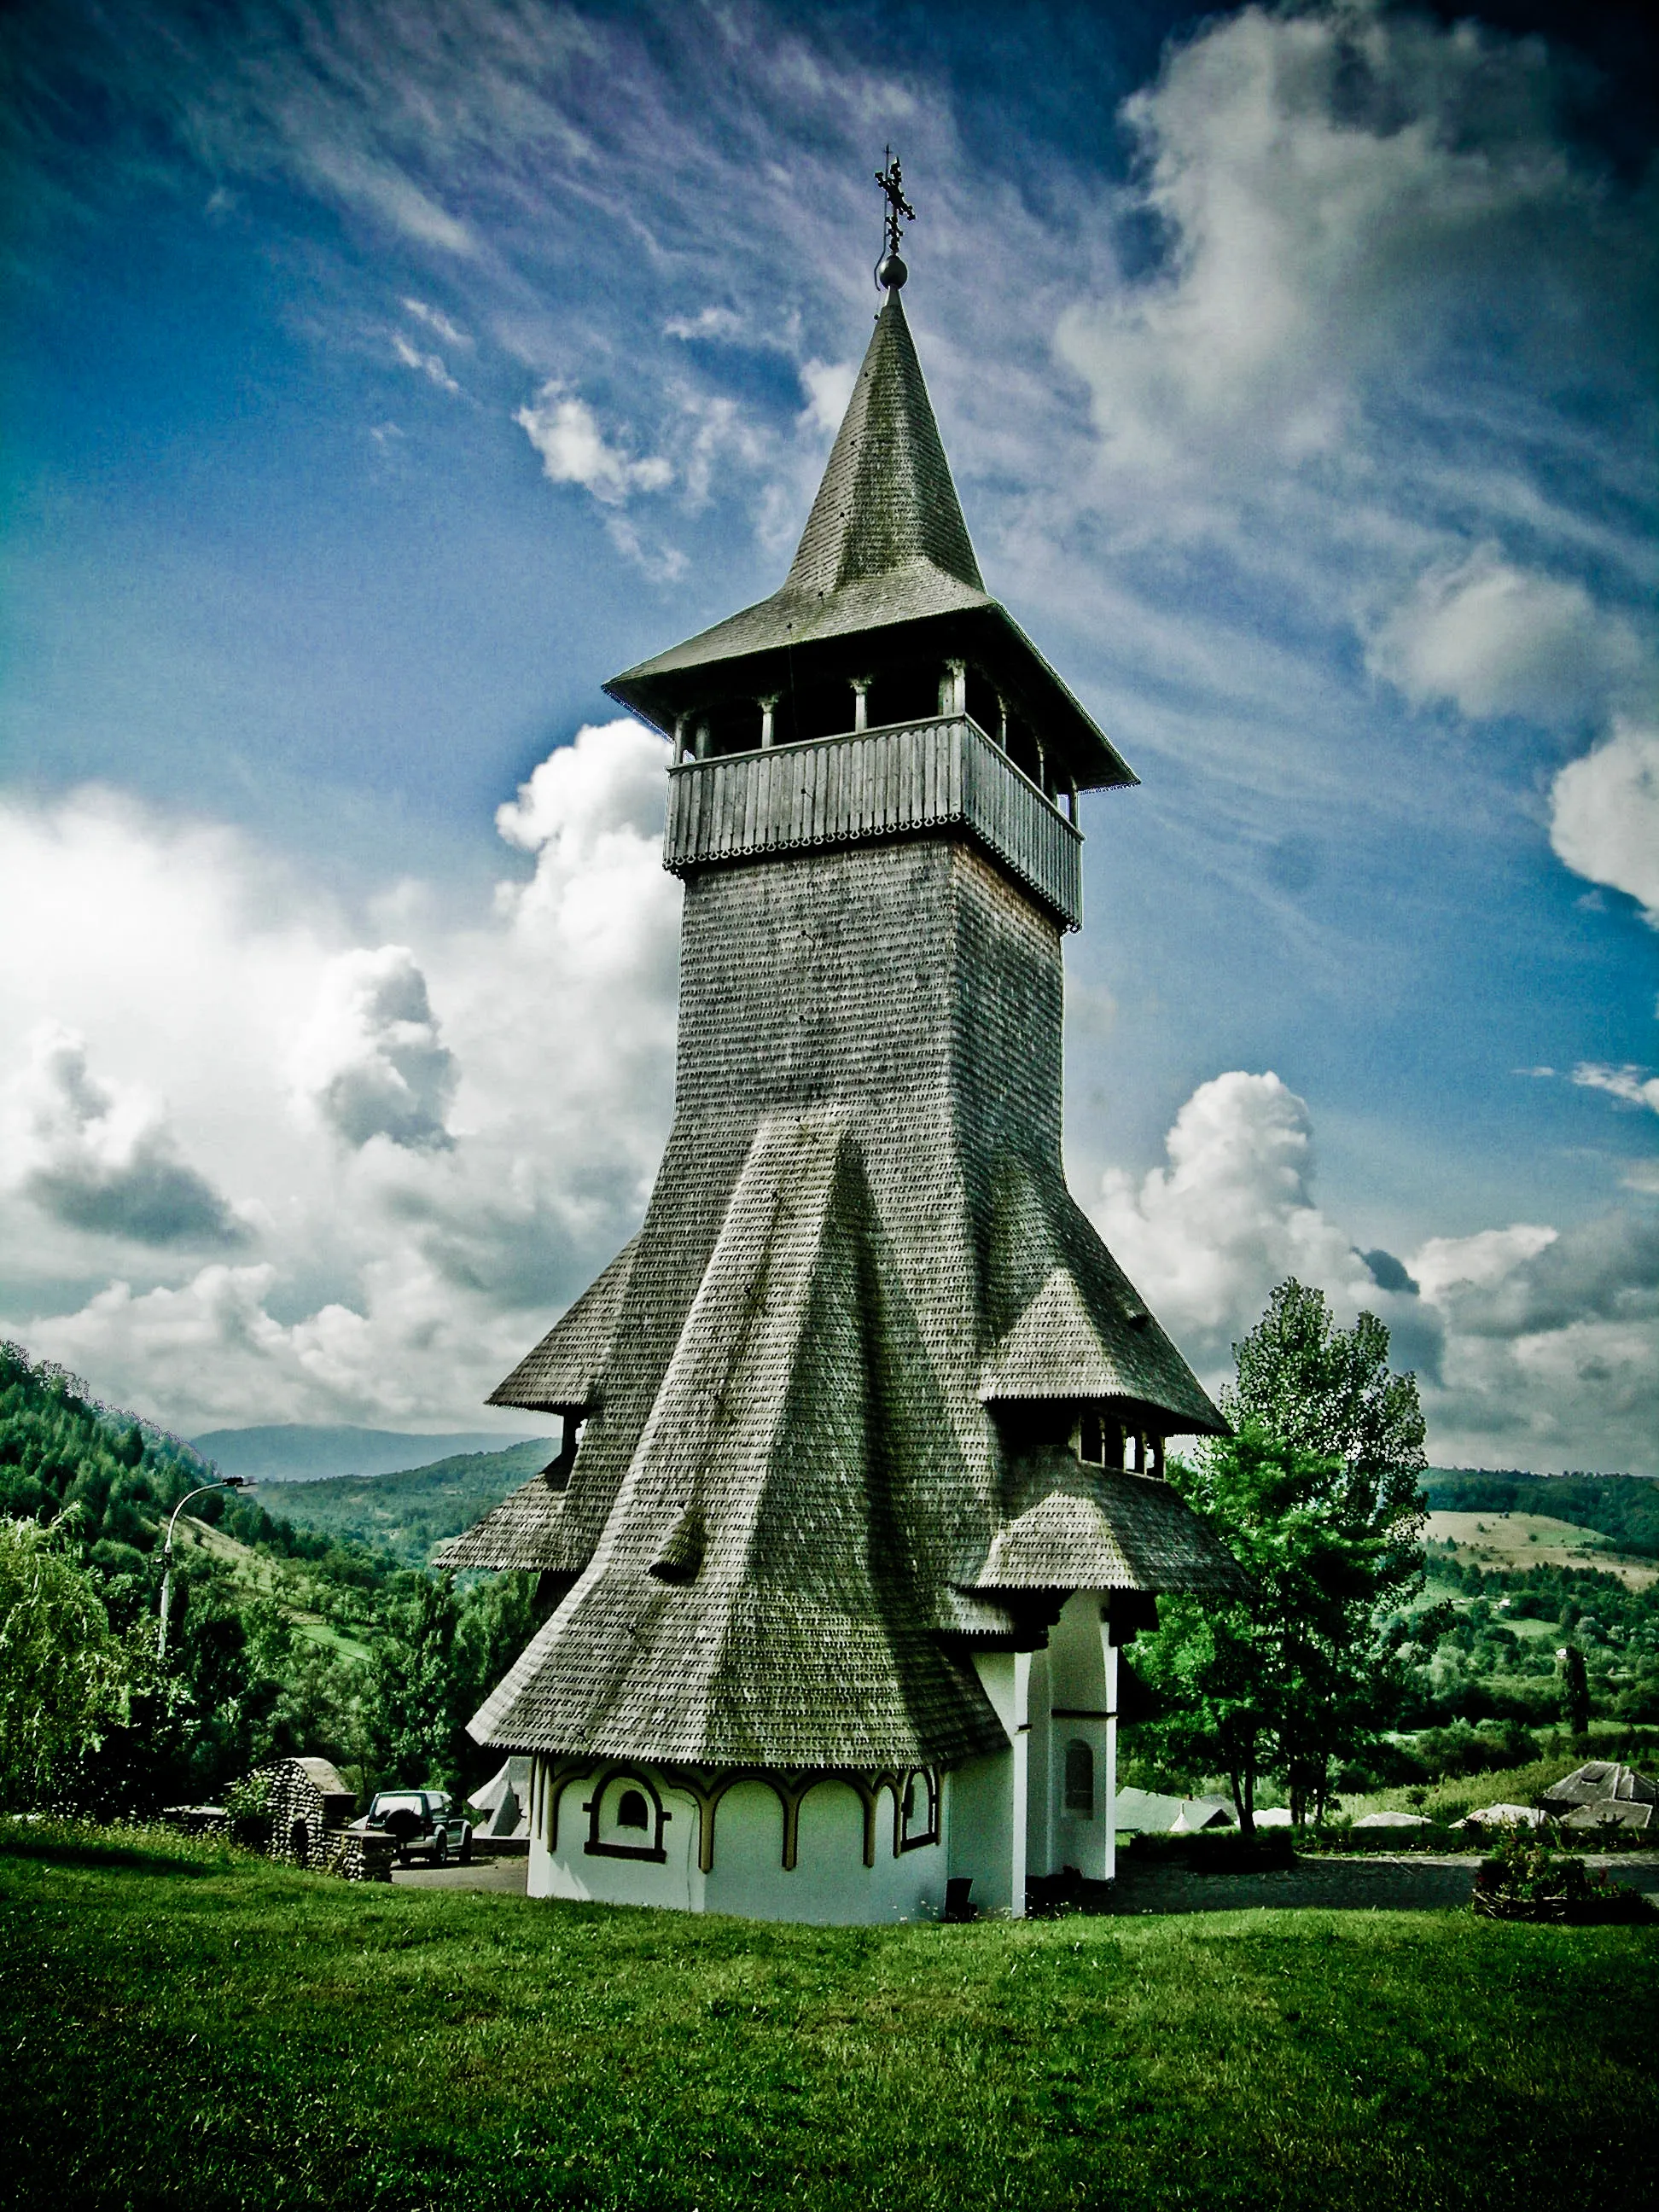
(861, 1490)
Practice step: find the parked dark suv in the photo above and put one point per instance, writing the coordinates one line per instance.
(423, 1824)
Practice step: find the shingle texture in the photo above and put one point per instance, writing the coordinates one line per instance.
(790, 1483)
(561, 1375)
(885, 542)
(884, 548)
(1089, 1528)
(827, 1389)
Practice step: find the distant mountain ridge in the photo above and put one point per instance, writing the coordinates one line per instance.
(294, 1452)
(408, 1511)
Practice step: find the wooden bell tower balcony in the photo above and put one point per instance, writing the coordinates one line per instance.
(941, 776)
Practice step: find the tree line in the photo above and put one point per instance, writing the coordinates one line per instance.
(339, 1649)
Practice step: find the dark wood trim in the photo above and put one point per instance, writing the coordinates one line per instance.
(928, 1777)
(654, 1851)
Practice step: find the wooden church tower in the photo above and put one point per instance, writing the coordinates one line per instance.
(861, 1484)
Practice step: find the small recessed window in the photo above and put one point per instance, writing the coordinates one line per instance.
(1081, 1779)
(1091, 1444)
(631, 1810)
(918, 1811)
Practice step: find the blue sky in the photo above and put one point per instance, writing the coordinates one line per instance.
(379, 380)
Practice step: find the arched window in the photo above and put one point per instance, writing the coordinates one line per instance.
(918, 1810)
(1079, 1779)
(626, 1817)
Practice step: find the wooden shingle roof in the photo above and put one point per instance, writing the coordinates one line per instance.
(885, 550)
(1089, 1529)
(561, 1375)
(747, 1601)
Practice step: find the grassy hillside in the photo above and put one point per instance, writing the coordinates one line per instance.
(328, 2045)
(344, 1629)
(1625, 1507)
(407, 1513)
(1505, 1540)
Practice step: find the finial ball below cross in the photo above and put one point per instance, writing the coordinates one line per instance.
(891, 271)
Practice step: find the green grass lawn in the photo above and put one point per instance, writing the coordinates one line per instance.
(185, 2025)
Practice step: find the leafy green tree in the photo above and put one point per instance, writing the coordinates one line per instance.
(64, 1675)
(1331, 1390)
(410, 1701)
(438, 1658)
(1316, 1492)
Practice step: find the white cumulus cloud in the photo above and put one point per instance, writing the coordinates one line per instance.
(1604, 815)
(1532, 1345)
(565, 431)
(1206, 1238)
(1329, 180)
(1495, 639)
(444, 1193)
(371, 1060)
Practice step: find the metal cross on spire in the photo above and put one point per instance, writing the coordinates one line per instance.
(892, 272)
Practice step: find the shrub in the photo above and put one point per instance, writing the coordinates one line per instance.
(1526, 1878)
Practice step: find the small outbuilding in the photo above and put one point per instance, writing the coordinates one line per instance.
(499, 1809)
(1148, 1812)
(1603, 1793)
(1505, 1816)
(308, 1796)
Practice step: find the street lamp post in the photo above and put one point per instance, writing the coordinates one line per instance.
(219, 1482)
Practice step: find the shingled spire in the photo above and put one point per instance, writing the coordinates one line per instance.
(887, 498)
(885, 569)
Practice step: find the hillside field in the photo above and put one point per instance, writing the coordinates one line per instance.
(186, 2024)
(1508, 1540)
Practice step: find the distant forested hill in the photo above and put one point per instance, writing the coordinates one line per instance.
(292, 1452)
(408, 1512)
(1624, 1507)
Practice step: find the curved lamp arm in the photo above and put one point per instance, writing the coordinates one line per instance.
(219, 1482)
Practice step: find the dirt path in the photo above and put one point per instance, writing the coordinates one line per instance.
(505, 1877)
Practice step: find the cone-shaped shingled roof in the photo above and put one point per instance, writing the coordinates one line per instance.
(885, 551)
(887, 498)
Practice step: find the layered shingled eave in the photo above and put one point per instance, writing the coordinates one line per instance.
(563, 1374)
(885, 547)
(1099, 1530)
(784, 1634)
(1066, 1345)
(525, 1531)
